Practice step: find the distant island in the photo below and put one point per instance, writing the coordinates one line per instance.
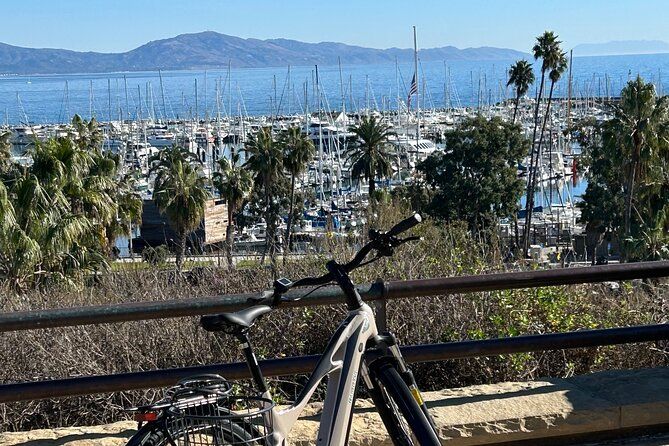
(622, 47)
(211, 50)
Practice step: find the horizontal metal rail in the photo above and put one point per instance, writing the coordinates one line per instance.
(28, 320)
(304, 364)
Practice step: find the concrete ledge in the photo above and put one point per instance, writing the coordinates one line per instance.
(555, 411)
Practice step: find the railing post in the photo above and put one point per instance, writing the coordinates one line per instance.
(381, 307)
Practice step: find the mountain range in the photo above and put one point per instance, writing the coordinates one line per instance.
(621, 47)
(211, 50)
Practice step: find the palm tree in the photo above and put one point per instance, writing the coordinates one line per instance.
(548, 49)
(5, 150)
(640, 123)
(266, 161)
(88, 133)
(368, 158)
(129, 208)
(558, 69)
(521, 76)
(298, 151)
(62, 206)
(233, 183)
(180, 193)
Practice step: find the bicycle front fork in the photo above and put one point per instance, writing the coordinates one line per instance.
(384, 348)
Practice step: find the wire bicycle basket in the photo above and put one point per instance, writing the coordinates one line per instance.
(225, 420)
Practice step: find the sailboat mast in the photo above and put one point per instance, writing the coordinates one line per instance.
(162, 94)
(415, 67)
(90, 99)
(290, 98)
(276, 105)
(229, 91)
(139, 101)
(109, 98)
(196, 105)
(67, 101)
(571, 57)
(320, 139)
(397, 86)
(341, 88)
(127, 103)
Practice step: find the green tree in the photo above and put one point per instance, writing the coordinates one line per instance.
(5, 150)
(628, 177)
(298, 151)
(129, 208)
(558, 69)
(546, 48)
(475, 179)
(233, 183)
(521, 76)
(416, 194)
(50, 240)
(59, 213)
(369, 158)
(180, 193)
(266, 161)
(87, 134)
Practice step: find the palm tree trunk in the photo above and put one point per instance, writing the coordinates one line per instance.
(543, 125)
(515, 108)
(535, 167)
(631, 180)
(529, 194)
(287, 243)
(271, 238)
(267, 229)
(130, 245)
(372, 187)
(181, 251)
(628, 199)
(228, 237)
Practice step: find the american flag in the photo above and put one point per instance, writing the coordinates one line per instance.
(413, 90)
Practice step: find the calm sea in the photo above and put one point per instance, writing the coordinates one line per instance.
(264, 91)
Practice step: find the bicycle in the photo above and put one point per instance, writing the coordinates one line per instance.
(205, 411)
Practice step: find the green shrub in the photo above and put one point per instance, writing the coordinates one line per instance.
(444, 251)
(156, 256)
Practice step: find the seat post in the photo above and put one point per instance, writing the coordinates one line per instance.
(251, 361)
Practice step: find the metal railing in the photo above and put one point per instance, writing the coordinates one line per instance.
(375, 291)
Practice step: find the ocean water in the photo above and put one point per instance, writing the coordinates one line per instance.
(44, 99)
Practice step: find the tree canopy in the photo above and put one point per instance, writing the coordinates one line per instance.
(180, 192)
(476, 179)
(61, 214)
(628, 177)
(369, 158)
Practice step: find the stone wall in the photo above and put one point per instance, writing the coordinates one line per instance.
(552, 411)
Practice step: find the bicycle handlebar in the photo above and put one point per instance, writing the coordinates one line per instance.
(404, 225)
(383, 242)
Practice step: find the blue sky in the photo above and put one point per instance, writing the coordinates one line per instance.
(120, 25)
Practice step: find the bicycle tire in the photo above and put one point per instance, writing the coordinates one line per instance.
(396, 404)
(154, 434)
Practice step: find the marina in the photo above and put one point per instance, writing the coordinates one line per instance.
(214, 113)
(338, 200)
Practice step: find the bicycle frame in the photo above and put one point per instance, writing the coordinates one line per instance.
(341, 362)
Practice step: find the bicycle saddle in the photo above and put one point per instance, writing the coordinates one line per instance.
(242, 319)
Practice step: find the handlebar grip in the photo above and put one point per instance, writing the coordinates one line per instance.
(405, 225)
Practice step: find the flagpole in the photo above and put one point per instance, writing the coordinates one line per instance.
(415, 67)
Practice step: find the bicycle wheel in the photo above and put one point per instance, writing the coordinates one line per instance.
(406, 423)
(155, 434)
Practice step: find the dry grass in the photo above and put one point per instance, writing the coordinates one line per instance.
(147, 345)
